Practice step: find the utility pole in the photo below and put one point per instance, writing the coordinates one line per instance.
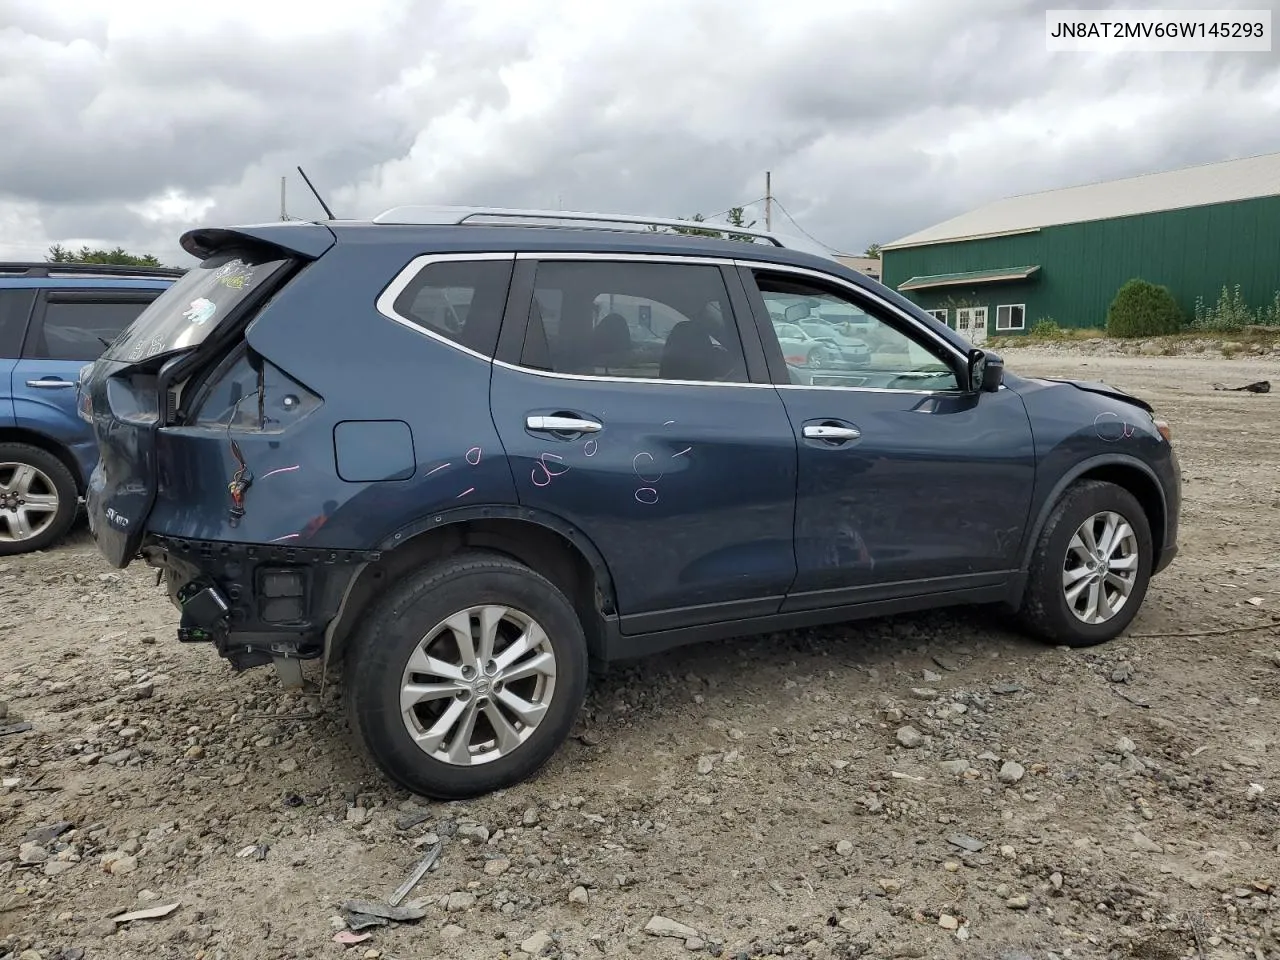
(283, 214)
(768, 201)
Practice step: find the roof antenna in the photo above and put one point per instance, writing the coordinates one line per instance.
(324, 205)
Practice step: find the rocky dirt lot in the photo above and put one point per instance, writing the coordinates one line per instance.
(929, 786)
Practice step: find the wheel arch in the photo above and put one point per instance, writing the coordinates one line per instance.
(50, 446)
(1126, 472)
(542, 541)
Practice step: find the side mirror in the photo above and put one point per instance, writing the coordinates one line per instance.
(986, 371)
(796, 311)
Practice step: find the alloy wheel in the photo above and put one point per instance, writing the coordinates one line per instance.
(28, 502)
(1101, 567)
(477, 685)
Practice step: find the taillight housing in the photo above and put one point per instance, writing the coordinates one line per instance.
(84, 399)
(1163, 427)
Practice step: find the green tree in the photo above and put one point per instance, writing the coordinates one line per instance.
(1142, 309)
(872, 251)
(60, 254)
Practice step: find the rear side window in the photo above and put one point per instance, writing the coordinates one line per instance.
(15, 309)
(190, 310)
(652, 321)
(459, 300)
(79, 326)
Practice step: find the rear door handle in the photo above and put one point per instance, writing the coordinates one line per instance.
(562, 425)
(51, 384)
(827, 431)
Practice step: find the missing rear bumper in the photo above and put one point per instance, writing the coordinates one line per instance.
(255, 604)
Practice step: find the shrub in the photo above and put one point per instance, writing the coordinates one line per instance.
(1231, 312)
(1142, 309)
(1047, 329)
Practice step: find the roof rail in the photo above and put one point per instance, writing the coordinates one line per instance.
(428, 215)
(54, 270)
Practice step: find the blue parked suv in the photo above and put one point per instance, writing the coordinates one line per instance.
(430, 446)
(55, 318)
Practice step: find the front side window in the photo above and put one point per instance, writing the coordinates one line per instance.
(79, 327)
(189, 311)
(653, 321)
(875, 351)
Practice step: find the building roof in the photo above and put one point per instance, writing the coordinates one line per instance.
(1197, 186)
(868, 265)
(971, 277)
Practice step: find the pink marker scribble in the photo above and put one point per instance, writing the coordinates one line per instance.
(473, 456)
(465, 492)
(668, 423)
(437, 469)
(681, 453)
(544, 468)
(296, 466)
(589, 448)
(647, 495)
(287, 536)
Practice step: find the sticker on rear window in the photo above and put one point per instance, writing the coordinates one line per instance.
(235, 274)
(201, 311)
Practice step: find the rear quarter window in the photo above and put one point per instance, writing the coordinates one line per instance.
(460, 301)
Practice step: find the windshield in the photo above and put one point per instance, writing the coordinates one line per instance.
(185, 314)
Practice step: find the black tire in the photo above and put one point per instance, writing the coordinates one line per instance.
(380, 650)
(64, 485)
(1045, 611)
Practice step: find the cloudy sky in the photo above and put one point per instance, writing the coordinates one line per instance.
(128, 122)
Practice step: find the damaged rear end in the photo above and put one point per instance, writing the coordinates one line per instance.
(181, 406)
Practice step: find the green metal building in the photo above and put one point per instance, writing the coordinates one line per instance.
(1063, 254)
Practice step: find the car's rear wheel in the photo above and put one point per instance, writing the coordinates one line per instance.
(1090, 568)
(38, 498)
(467, 677)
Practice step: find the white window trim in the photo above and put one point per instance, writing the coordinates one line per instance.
(1011, 307)
(941, 310)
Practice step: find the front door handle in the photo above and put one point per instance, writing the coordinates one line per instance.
(829, 431)
(563, 425)
(51, 384)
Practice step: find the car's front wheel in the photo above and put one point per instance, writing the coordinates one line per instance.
(1091, 565)
(38, 498)
(468, 677)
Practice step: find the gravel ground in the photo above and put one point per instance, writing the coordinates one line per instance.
(926, 786)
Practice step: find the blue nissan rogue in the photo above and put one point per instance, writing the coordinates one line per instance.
(55, 318)
(469, 453)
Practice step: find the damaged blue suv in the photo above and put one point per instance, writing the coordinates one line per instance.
(469, 453)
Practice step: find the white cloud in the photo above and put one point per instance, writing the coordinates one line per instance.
(136, 121)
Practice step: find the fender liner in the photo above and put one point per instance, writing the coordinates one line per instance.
(447, 518)
(542, 518)
(1074, 474)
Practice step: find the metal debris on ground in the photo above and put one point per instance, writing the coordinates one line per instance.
(47, 834)
(15, 728)
(1258, 386)
(414, 910)
(965, 842)
(150, 913)
(411, 819)
(256, 850)
(363, 921)
(418, 873)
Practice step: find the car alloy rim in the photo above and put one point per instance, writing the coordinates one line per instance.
(477, 685)
(28, 502)
(1101, 567)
